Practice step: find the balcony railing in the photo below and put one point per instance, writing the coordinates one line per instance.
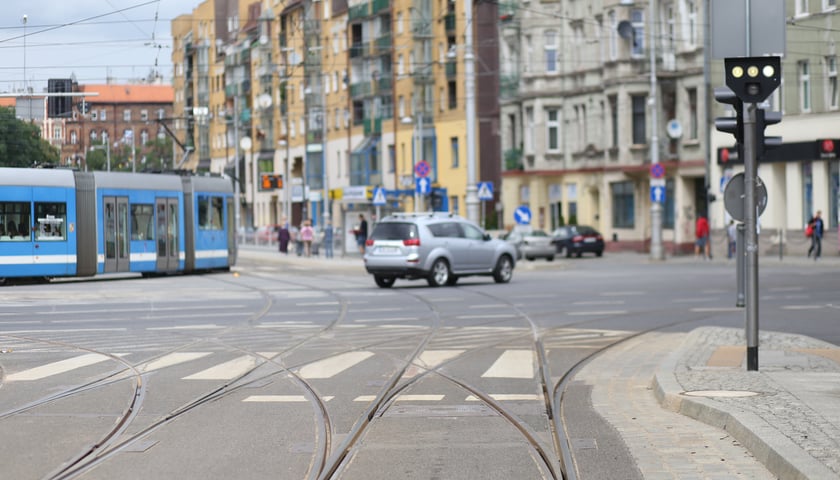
(513, 159)
(449, 21)
(421, 28)
(382, 44)
(509, 85)
(359, 11)
(451, 69)
(357, 50)
(379, 5)
(384, 84)
(372, 127)
(360, 89)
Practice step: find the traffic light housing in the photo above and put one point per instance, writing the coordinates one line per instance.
(270, 181)
(753, 79)
(763, 119)
(59, 106)
(733, 125)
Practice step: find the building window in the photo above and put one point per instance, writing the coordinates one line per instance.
(637, 18)
(93, 115)
(144, 137)
(103, 116)
(831, 81)
(57, 132)
(73, 138)
(829, 4)
(612, 29)
(613, 99)
(453, 146)
(92, 136)
(804, 85)
(551, 51)
(104, 137)
(669, 208)
(691, 34)
(528, 137)
(623, 206)
(529, 52)
(144, 115)
(126, 115)
(692, 114)
(639, 104)
(453, 95)
(552, 130)
(801, 7)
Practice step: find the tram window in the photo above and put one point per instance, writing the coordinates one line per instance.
(210, 212)
(142, 222)
(52, 219)
(14, 221)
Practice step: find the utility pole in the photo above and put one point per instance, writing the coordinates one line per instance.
(656, 209)
(236, 183)
(469, 70)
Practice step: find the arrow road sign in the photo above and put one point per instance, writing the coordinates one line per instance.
(379, 196)
(522, 215)
(423, 186)
(657, 194)
(485, 190)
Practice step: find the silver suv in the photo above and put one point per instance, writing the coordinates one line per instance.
(438, 246)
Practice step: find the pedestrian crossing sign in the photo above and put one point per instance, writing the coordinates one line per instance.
(485, 190)
(379, 196)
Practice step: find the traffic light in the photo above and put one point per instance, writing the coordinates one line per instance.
(763, 119)
(733, 125)
(270, 181)
(753, 79)
(59, 106)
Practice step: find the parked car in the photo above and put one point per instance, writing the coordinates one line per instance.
(531, 244)
(438, 246)
(577, 240)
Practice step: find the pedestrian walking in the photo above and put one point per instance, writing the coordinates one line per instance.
(306, 236)
(701, 234)
(732, 238)
(328, 239)
(283, 237)
(817, 227)
(361, 232)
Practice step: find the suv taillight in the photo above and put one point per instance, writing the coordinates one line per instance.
(411, 242)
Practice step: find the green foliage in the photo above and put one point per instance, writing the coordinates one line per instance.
(21, 144)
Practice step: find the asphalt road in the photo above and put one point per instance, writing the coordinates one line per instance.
(269, 371)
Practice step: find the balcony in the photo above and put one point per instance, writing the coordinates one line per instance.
(357, 50)
(451, 69)
(384, 83)
(382, 45)
(359, 11)
(513, 159)
(360, 89)
(449, 21)
(509, 85)
(314, 137)
(379, 5)
(372, 127)
(421, 28)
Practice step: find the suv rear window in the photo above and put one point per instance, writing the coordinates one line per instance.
(394, 231)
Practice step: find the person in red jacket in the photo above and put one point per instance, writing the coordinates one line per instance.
(701, 232)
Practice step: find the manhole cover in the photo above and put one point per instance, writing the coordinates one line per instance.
(720, 393)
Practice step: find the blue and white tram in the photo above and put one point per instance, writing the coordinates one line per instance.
(65, 223)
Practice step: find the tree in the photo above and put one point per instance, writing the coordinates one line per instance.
(157, 153)
(21, 144)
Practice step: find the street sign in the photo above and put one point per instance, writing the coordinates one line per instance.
(735, 193)
(739, 31)
(485, 190)
(379, 196)
(422, 169)
(657, 194)
(657, 170)
(423, 186)
(522, 215)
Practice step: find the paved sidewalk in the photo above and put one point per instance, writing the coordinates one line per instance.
(782, 421)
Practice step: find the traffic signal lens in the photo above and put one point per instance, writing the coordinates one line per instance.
(752, 71)
(768, 71)
(737, 71)
(753, 89)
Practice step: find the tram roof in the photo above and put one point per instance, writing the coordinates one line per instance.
(137, 181)
(36, 177)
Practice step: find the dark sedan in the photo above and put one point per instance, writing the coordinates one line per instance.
(577, 240)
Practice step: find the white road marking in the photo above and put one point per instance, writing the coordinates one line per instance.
(55, 368)
(600, 302)
(717, 309)
(332, 366)
(68, 330)
(187, 327)
(385, 320)
(499, 315)
(491, 305)
(621, 294)
(506, 397)
(598, 312)
(403, 398)
(281, 398)
(802, 307)
(512, 364)
(169, 360)
(431, 359)
(230, 369)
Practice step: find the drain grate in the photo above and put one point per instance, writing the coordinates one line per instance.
(440, 411)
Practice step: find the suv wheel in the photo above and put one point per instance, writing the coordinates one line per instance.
(504, 270)
(384, 282)
(439, 274)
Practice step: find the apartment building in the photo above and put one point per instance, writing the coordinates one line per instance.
(582, 106)
(339, 98)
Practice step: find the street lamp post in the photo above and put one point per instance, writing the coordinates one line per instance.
(469, 88)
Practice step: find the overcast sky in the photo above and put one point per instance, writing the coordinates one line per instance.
(91, 39)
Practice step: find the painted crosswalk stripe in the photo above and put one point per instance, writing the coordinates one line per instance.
(403, 398)
(230, 369)
(512, 364)
(281, 398)
(430, 359)
(169, 360)
(55, 368)
(332, 366)
(506, 397)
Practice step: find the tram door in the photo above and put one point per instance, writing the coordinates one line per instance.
(231, 229)
(116, 234)
(166, 213)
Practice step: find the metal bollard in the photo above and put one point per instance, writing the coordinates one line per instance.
(740, 266)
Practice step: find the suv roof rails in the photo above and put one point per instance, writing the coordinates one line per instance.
(432, 214)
